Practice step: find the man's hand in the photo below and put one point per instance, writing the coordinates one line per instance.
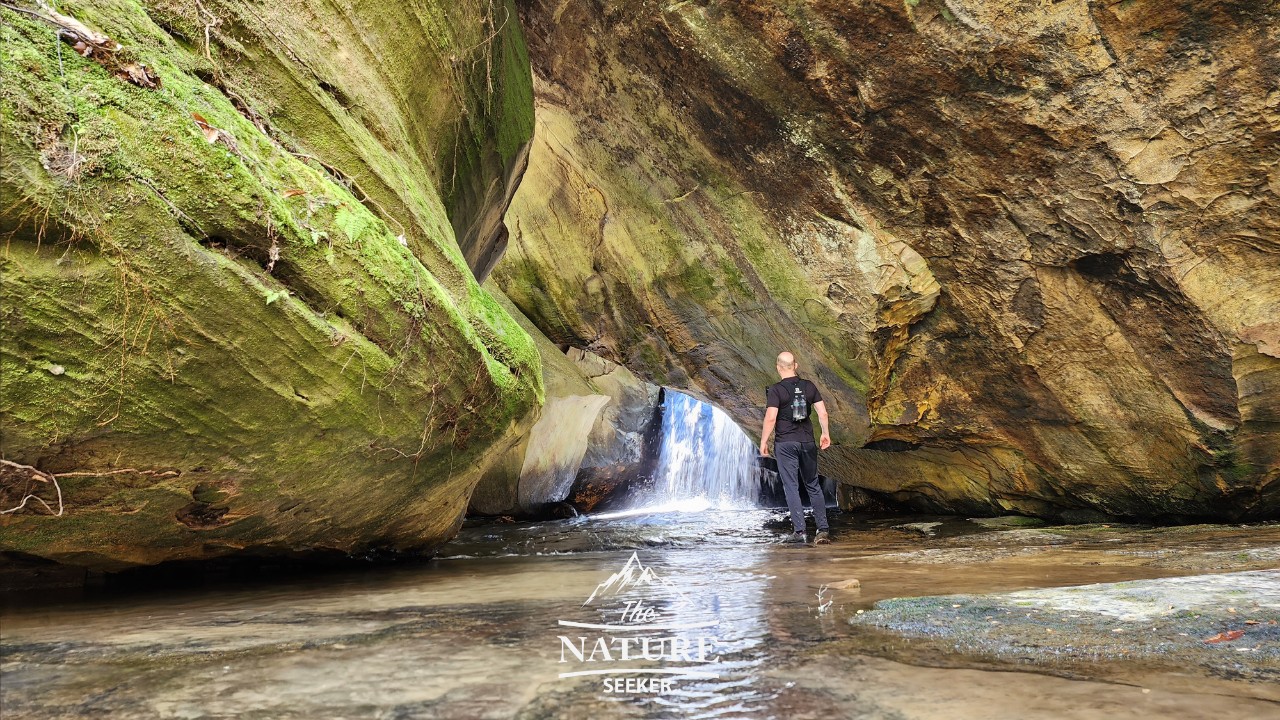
(825, 441)
(770, 418)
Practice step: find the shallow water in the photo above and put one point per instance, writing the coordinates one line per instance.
(476, 633)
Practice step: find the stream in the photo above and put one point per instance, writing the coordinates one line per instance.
(479, 632)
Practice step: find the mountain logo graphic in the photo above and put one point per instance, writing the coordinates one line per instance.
(634, 575)
(640, 618)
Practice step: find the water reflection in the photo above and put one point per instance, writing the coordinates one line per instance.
(475, 633)
(467, 637)
(712, 605)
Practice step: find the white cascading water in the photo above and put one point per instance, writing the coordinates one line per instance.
(705, 461)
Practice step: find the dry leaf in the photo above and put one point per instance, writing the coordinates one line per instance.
(1227, 636)
(293, 192)
(139, 75)
(211, 133)
(91, 43)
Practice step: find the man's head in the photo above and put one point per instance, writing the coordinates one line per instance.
(787, 364)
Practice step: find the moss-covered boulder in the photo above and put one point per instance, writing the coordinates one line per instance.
(236, 314)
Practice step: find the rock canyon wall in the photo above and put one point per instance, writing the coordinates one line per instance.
(1028, 249)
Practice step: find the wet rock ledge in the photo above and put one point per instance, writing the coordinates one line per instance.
(1225, 625)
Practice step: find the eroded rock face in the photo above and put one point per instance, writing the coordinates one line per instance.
(236, 314)
(591, 435)
(1029, 253)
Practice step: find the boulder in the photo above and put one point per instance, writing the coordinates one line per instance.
(237, 317)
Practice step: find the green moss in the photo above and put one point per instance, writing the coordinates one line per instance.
(515, 123)
(1226, 460)
(136, 260)
(694, 281)
(734, 279)
(498, 118)
(652, 363)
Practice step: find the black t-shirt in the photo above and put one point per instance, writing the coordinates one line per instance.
(779, 396)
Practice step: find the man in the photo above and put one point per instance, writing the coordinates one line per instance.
(794, 448)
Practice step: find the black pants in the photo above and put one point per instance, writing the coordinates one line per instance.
(798, 462)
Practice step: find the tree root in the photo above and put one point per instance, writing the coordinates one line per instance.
(13, 474)
(9, 468)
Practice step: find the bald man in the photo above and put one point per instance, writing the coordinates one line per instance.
(791, 404)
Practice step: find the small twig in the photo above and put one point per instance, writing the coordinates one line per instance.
(30, 496)
(40, 475)
(823, 606)
(74, 167)
(683, 197)
(216, 21)
(62, 71)
(24, 11)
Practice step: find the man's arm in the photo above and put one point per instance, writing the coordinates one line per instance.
(770, 419)
(821, 407)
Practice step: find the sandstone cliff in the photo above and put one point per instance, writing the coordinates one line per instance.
(1028, 249)
(238, 308)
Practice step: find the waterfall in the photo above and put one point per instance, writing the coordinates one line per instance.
(705, 460)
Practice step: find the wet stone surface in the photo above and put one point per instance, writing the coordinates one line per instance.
(477, 632)
(1221, 626)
